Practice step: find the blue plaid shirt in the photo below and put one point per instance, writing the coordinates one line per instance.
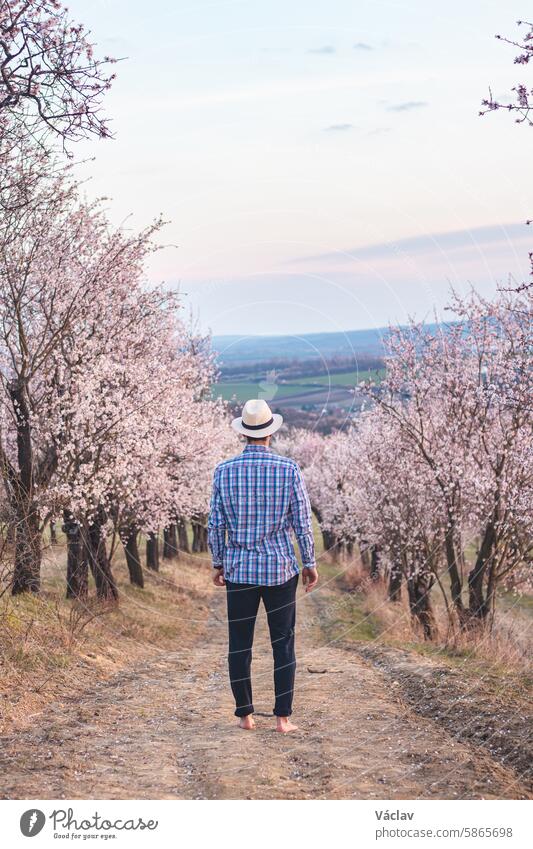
(258, 496)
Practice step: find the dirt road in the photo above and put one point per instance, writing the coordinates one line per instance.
(165, 730)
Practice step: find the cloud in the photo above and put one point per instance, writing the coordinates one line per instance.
(327, 49)
(361, 45)
(339, 127)
(378, 131)
(475, 238)
(407, 106)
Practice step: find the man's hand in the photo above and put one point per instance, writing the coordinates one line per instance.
(218, 578)
(309, 577)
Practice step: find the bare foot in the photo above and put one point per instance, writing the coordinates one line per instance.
(247, 723)
(284, 725)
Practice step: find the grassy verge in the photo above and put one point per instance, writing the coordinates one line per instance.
(51, 647)
(356, 610)
(342, 610)
(478, 689)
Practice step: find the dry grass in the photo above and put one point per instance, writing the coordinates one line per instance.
(506, 646)
(50, 647)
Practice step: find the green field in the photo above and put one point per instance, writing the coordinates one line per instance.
(252, 388)
(345, 378)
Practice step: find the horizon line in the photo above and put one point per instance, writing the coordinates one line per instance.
(382, 327)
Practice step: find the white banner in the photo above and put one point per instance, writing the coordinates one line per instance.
(266, 825)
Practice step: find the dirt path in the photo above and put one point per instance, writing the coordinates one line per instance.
(165, 730)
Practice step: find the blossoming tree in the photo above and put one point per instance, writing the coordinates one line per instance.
(50, 79)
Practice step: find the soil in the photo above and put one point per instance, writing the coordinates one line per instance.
(164, 729)
(487, 710)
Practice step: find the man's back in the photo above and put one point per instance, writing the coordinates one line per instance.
(258, 496)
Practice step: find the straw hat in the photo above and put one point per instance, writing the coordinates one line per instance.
(257, 419)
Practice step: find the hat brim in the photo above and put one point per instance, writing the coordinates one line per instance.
(258, 433)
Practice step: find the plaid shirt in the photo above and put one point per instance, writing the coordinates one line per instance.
(258, 496)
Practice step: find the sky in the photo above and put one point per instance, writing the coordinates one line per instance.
(321, 163)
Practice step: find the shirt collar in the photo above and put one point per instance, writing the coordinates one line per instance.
(248, 448)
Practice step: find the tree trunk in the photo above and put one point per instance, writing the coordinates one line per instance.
(170, 543)
(77, 559)
(152, 552)
(195, 537)
(182, 536)
(479, 605)
(453, 571)
(106, 589)
(199, 537)
(395, 583)
(53, 534)
(326, 539)
(331, 543)
(375, 561)
(133, 559)
(11, 532)
(365, 552)
(490, 595)
(27, 571)
(418, 589)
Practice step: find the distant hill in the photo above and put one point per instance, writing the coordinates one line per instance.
(234, 349)
(308, 346)
(311, 379)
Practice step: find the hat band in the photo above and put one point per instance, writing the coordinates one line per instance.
(259, 426)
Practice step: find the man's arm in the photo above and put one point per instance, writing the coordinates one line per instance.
(216, 528)
(302, 522)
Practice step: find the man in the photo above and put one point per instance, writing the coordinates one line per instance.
(258, 497)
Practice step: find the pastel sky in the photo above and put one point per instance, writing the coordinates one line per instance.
(321, 162)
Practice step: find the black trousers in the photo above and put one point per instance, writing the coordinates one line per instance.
(280, 606)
